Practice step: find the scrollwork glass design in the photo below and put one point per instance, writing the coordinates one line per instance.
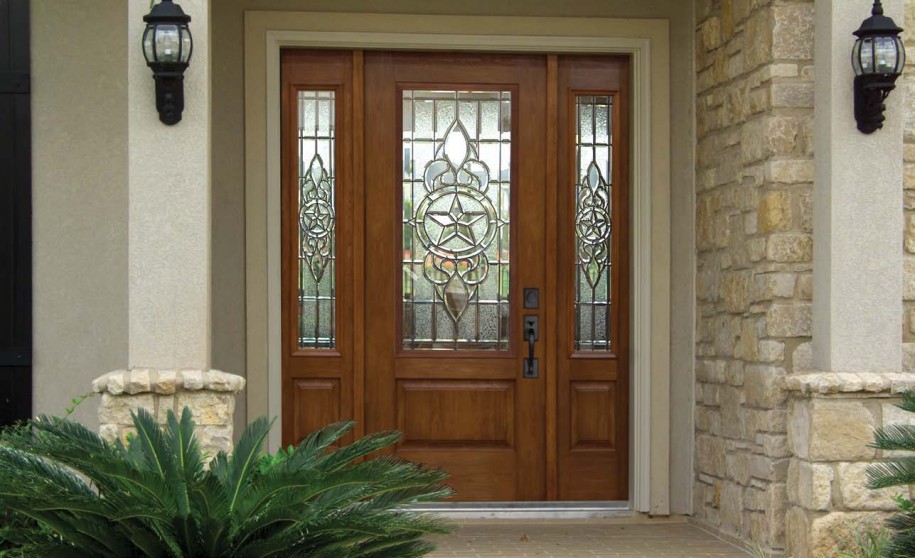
(316, 220)
(456, 207)
(593, 224)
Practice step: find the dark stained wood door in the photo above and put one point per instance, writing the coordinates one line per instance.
(423, 195)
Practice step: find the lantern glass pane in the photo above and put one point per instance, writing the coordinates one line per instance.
(856, 58)
(148, 43)
(900, 55)
(167, 43)
(885, 55)
(186, 44)
(867, 56)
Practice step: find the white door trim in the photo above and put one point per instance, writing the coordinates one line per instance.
(645, 41)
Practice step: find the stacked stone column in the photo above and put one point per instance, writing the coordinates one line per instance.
(210, 395)
(831, 422)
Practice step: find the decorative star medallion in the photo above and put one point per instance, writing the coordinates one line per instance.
(457, 223)
(318, 217)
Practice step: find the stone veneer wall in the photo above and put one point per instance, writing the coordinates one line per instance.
(908, 86)
(754, 95)
(210, 395)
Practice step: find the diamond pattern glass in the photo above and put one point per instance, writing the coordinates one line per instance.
(456, 231)
(593, 223)
(317, 221)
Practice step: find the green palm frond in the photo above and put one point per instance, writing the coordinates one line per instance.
(895, 437)
(68, 493)
(236, 472)
(897, 471)
(908, 401)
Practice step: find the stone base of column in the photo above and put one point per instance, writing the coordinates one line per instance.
(210, 395)
(831, 422)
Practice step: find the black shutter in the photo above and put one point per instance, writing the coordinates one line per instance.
(15, 214)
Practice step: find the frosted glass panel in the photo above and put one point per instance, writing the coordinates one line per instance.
(317, 221)
(593, 223)
(456, 231)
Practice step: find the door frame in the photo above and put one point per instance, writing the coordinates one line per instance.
(646, 41)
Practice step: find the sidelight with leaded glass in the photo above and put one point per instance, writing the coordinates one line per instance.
(316, 220)
(593, 223)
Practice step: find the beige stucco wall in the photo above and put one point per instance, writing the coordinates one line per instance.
(228, 175)
(79, 182)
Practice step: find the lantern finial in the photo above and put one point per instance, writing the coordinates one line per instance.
(877, 10)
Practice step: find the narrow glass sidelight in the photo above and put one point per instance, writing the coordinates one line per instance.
(317, 220)
(456, 229)
(593, 224)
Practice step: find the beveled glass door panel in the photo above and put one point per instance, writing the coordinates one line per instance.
(447, 204)
(456, 222)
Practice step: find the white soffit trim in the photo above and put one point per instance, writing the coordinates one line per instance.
(649, 452)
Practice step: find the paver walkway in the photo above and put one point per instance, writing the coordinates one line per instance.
(589, 539)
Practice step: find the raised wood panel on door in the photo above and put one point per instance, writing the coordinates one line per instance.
(593, 407)
(315, 404)
(435, 413)
(317, 383)
(470, 413)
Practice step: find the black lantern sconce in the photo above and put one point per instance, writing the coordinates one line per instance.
(877, 58)
(167, 45)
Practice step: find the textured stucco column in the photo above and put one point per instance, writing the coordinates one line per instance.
(169, 208)
(857, 265)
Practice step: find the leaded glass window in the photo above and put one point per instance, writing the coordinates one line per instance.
(317, 220)
(593, 223)
(456, 230)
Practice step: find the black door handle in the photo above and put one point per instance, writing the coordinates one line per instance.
(531, 334)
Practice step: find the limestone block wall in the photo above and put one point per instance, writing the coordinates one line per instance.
(754, 116)
(831, 421)
(210, 394)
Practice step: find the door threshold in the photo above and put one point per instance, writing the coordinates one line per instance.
(528, 510)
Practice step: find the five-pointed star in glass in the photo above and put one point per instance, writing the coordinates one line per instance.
(456, 223)
(318, 217)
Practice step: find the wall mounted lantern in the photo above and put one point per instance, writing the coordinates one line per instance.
(877, 58)
(167, 45)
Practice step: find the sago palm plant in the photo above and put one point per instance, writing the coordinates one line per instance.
(897, 471)
(65, 492)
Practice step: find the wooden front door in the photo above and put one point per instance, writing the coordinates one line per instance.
(456, 267)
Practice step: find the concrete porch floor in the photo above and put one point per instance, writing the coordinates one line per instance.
(593, 538)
